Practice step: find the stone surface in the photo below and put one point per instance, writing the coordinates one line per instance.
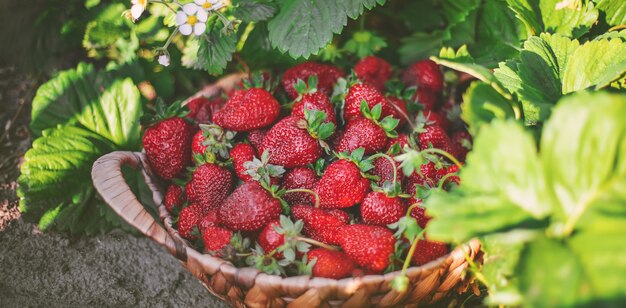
(114, 269)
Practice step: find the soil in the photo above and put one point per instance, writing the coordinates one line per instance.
(55, 270)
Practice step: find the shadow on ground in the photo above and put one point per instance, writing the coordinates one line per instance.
(114, 269)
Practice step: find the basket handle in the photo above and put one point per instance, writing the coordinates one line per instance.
(110, 184)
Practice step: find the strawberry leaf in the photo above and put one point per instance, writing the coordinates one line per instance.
(254, 10)
(376, 112)
(482, 104)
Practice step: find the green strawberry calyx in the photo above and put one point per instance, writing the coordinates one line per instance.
(356, 157)
(308, 87)
(388, 124)
(314, 123)
(163, 112)
(217, 140)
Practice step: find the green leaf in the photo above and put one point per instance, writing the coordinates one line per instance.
(316, 21)
(511, 194)
(482, 104)
(254, 10)
(595, 64)
(215, 50)
(614, 12)
(544, 16)
(364, 43)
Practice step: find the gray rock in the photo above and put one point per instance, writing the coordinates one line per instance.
(109, 270)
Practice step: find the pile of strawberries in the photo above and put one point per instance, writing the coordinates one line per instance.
(317, 172)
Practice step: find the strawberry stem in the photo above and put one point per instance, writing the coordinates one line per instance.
(406, 116)
(411, 207)
(445, 154)
(317, 197)
(393, 165)
(316, 243)
(443, 180)
(407, 261)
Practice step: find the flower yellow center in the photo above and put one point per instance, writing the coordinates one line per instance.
(192, 20)
(207, 5)
(143, 3)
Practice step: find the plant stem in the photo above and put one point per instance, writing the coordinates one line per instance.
(407, 261)
(316, 243)
(317, 197)
(445, 154)
(443, 180)
(411, 207)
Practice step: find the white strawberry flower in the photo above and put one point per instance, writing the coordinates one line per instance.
(164, 59)
(192, 19)
(210, 5)
(138, 7)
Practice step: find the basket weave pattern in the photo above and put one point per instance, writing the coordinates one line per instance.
(249, 287)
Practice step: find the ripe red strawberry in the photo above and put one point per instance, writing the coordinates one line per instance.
(452, 179)
(216, 238)
(462, 143)
(209, 220)
(427, 98)
(190, 193)
(401, 140)
(430, 177)
(270, 239)
(196, 144)
(419, 213)
(330, 263)
(362, 133)
(363, 92)
(427, 251)
(373, 71)
(240, 154)
(401, 110)
(320, 224)
(248, 110)
(201, 108)
(188, 219)
(383, 169)
(342, 185)
(327, 76)
(369, 246)
(249, 208)
(434, 136)
(424, 74)
(318, 101)
(381, 210)
(174, 197)
(299, 177)
(292, 143)
(210, 184)
(168, 146)
(256, 138)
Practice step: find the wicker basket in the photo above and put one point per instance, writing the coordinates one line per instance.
(247, 286)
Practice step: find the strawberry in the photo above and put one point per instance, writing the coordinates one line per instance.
(270, 239)
(256, 138)
(210, 184)
(168, 146)
(373, 71)
(190, 193)
(174, 197)
(299, 177)
(361, 92)
(295, 142)
(427, 98)
(429, 178)
(342, 185)
(427, 251)
(188, 219)
(213, 140)
(362, 133)
(451, 179)
(209, 220)
(330, 263)
(201, 108)
(240, 154)
(384, 170)
(369, 246)
(424, 74)
(381, 210)
(400, 106)
(402, 140)
(320, 224)
(249, 208)
(216, 238)
(438, 118)
(434, 136)
(318, 101)
(462, 143)
(419, 213)
(327, 76)
(248, 110)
